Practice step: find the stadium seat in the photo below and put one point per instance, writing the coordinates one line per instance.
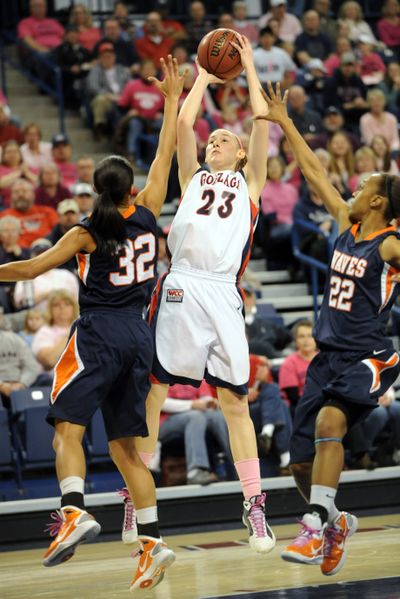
(8, 455)
(96, 440)
(31, 433)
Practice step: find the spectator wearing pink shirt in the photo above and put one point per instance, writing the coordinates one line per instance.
(241, 24)
(372, 68)
(50, 341)
(35, 152)
(61, 153)
(88, 35)
(289, 25)
(333, 61)
(145, 104)
(37, 31)
(293, 370)
(379, 122)
(277, 203)
(389, 26)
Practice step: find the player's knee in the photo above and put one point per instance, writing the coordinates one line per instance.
(121, 450)
(330, 424)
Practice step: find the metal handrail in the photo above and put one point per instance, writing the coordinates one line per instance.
(56, 91)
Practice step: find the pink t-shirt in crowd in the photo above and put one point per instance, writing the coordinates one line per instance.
(388, 32)
(146, 99)
(292, 373)
(47, 32)
(47, 336)
(69, 173)
(188, 393)
(386, 126)
(280, 198)
(89, 37)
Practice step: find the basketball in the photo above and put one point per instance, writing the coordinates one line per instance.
(217, 56)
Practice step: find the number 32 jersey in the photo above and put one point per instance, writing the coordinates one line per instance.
(358, 295)
(213, 228)
(125, 280)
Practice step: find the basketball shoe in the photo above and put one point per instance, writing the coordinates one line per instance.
(261, 537)
(129, 527)
(334, 551)
(71, 526)
(307, 546)
(155, 558)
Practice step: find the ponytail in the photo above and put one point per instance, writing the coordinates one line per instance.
(113, 179)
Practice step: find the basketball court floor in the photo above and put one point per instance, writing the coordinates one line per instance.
(213, 565)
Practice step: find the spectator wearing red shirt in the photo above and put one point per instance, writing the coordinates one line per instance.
(170, 28)
(62, 152)
(37, 31)
(372, 68)
(293, 370)
(88, 35)
(8, 131)
(12, 167)
(389, 26)
(145, 103)
(36, 221)
(50, 191)
(154, 44)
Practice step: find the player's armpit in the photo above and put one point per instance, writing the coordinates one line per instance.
(389, 251)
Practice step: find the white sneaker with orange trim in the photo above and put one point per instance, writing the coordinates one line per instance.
(307, 546)
(71, 527)
(334, 550)
(154, 559)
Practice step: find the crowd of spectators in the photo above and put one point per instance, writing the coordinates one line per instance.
(343, 77)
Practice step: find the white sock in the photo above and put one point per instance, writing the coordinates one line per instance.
(72, 484)
(268, 429)
(333, 514)
(284, 459)
(324, 496)
(147, 515)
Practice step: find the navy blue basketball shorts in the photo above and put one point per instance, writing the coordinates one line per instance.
(106, 365)
(354, 379)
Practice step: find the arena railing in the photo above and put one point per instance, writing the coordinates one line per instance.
(51, 80)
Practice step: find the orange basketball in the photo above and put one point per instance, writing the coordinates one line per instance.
(217, 56)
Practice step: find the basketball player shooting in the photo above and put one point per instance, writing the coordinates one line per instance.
(357, 362)
(197, 306)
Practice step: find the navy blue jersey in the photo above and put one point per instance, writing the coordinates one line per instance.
(358, 294)
(126, 279)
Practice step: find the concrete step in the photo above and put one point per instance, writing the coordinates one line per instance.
(290, 303)
(290, 317)
(291, 290)
(257, 265)
(271, 276)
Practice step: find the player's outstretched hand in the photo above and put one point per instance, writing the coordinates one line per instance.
(210, 78)
(276, 103)
(243, 46)
(395, 278)
(172, 84)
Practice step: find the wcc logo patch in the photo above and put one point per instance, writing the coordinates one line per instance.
(175, 295)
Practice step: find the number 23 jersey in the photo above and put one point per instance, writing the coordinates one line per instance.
(213, 228)
(126, 279)
(358, 294)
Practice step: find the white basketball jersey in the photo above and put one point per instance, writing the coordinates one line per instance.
(213, 227)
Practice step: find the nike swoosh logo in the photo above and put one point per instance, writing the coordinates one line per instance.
(70, 526)
(143, 568)
(314, 551)
(381, 351)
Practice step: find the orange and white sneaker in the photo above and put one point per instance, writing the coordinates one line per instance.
(334, 551)
(308, 545)
(155, 558)
(71, 526)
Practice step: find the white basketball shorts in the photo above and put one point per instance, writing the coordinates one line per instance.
(200, 330)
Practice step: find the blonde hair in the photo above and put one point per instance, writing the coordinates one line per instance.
(33, 312)
(88, 15)
(348, 158)
(342, 11)
(375, 93)
(61, 294)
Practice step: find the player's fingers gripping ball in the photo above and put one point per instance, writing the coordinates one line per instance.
(217, 56)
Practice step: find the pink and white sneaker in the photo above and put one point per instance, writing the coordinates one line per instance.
(261, 537)
(129, 527)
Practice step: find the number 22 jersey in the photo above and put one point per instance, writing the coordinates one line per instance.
(125, 280)
(213, 228)
(358, 294)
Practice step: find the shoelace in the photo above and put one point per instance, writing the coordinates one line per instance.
(304, 536)
(332, 536)
(257, 516)
(129, 511)
(53, 528)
